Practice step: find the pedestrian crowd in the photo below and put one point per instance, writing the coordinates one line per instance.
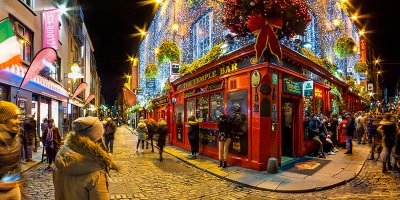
(380, 131)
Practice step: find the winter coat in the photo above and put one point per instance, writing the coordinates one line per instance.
(314, 128)
(162, 134)
(152, 129)
(109, 130)
(142, 130)
(342, 131)
(388, 130)
(10, 157)
(81, 170)
(29, 131)
(350, 126)
(372, 129)
(193, 132)
(56, 138)
(225, 127)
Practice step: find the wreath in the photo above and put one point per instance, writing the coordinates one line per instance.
(151, 70)
(294, 14)
(360, 67)
(345, 47)
(168, 51)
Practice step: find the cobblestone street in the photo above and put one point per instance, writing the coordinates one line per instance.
(145, 177)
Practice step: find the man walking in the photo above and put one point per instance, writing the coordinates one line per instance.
(350, 126)
(109, 135)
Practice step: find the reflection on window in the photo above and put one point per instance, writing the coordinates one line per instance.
(190, 108)
(216, 106)
(25, 38)
(201, 34)
(202, 109)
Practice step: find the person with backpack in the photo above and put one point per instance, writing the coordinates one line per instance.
(350, 126)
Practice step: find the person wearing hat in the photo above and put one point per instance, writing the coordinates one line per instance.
(10, 150)
(51, 140)
(83, 164)
(141, 130)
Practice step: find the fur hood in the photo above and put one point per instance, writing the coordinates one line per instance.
(194, 123)
(80, 155)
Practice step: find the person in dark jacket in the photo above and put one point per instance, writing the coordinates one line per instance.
(350, 127)
(109, 135)
(10, 149)
(193, 136)
(162, 132)
(224, 139)
(375, 137)
(388, 129)
(314, 130)
(51, 140)
(152, 129)
(29, 137)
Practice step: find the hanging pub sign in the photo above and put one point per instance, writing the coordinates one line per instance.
(151, 84)
(363, 50)
(174, 68)
(292, 87)
(161, 101)
(308, 87)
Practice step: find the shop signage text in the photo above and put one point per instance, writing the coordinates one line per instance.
(292, 87)
(308, 87)
(161, 101)
(50, 28)
(318, 92)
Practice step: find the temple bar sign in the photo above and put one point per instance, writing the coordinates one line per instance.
(217, 71)
(161, 101)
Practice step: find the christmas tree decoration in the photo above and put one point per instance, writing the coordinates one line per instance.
(345, 47)
(168, 51)
(151, 71)
(267, 20)
(360, 67)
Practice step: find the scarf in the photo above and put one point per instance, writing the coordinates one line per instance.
(49, 138)
(10, 151)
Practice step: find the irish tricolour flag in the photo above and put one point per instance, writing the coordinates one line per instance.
(10, 52)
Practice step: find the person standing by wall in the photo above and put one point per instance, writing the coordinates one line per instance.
(51, 140)
(224, 139)
(194, 137)
(82, 164)
(350, 127)
(162, 132)
(10, 149)
(29, 137)
(109, 135)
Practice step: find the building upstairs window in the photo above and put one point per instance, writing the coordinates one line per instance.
(25, 38)
(29, 3)
(202, 35)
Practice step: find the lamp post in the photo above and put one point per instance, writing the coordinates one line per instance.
(75, 74)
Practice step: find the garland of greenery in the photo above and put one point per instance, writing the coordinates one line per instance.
(210, 56)
(360, 67)
(135, 108)
(168, 51)
(294, 14)
(321, 62)
(329, 66)
(345, 47)
(151, 70)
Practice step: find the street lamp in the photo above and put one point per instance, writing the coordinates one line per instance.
(74, 74)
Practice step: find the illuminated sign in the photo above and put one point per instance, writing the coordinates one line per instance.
(363, 50)
(292, 87)
(174, 68)
(161, 101)
(317, 92)
(308, 87)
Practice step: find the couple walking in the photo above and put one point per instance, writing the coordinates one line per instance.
(147, 129)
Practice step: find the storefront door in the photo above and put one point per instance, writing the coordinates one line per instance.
(288, 108)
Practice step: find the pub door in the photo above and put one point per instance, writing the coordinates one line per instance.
(287, 121)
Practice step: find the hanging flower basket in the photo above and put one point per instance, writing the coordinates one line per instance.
(151, 70)
(345, 47)
(168, 51)
(360, 67)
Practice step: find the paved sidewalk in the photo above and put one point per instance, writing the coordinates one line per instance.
(341, 169)
(36, 157)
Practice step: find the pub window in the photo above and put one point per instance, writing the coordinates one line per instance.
(308, 106)
(202, 109)
(200, 90)
(25, 38)
(214, 86)
(190, 108)
(216, 106)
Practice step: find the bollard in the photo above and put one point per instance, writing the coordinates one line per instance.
(272, 166)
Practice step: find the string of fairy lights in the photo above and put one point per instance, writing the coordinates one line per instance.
(175, 19)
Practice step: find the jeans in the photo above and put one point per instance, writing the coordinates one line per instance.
(137, 145)
(110, 144)
(319, 143)
(223, 149)
(51, 154)
(194, 144)
(386, 158)
(349, 144)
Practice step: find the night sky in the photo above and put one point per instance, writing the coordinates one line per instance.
(111, 25)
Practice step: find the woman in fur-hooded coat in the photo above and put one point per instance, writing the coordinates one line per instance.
(82, 164)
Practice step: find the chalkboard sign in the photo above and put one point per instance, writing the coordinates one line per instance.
(174, 68)
(151, 84)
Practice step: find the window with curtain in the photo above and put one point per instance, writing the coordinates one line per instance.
(201, 35)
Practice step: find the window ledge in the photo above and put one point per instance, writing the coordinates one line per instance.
(29, 8)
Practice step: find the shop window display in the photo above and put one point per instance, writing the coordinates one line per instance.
(308, 107)
(190, 108)
(202, 109)
(216, 106)
(237, 110)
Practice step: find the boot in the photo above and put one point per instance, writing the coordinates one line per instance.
(384, 169)
(220, 163)
(224, 166)
(371, 157)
